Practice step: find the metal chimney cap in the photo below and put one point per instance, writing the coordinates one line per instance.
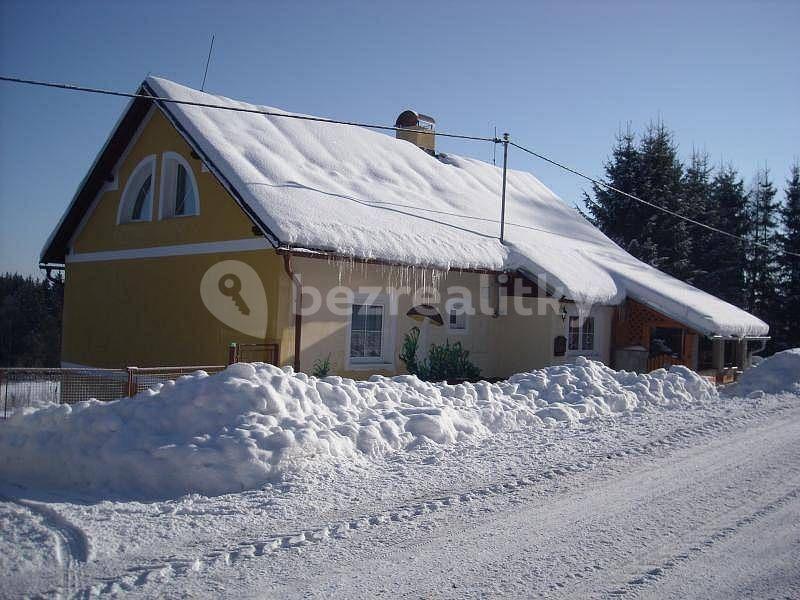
(410, 118)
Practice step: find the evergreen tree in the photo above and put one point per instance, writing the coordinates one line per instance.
(614, 213)
(652, 171)
(30, 321)
(786, 331)
(661, 182)
(727, 257)
(763, 269)
(698, 202)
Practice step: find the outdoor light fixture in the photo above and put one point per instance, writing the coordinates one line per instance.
(563, 313)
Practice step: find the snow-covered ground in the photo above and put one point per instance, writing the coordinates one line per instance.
(573, 481)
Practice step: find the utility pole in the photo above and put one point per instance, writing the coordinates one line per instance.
(503, 206)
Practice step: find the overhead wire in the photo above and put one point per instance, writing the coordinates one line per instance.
(494, 140)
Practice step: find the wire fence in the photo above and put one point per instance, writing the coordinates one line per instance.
(23, 387)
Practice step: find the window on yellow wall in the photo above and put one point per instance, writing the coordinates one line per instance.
(137, 197)
(179, 197)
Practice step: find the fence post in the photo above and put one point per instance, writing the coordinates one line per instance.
(131, 380)
(5, 396)
(232, 354)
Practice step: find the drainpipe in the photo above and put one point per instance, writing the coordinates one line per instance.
(298, 317)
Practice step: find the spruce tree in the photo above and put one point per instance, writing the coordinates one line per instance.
(697, 200)
(787, 330)
(762, 273)
(652, 171)
(665, 241)
(614, 213)
(726, 257)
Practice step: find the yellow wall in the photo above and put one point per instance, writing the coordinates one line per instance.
(500, 346)
(220, 217)
(148, 312)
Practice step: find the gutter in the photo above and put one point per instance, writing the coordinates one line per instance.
(298, 316)
(332, 254)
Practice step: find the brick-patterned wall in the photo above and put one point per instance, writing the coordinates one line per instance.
(632, 323)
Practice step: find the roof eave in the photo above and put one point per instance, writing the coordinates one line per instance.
(56, 247)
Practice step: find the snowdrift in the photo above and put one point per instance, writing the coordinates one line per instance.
(778, 373)
(256, 423)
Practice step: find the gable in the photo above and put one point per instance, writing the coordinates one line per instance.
(219, 218)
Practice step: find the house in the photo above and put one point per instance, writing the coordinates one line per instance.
(198, 227)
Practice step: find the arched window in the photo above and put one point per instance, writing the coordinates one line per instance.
(179, 197)
(137, 197)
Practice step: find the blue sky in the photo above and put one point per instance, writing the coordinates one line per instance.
(561, 77)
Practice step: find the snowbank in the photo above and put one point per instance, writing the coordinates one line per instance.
(256, 423)
(773, 375)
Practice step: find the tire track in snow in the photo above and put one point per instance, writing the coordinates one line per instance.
(651, 576)
(72, 547)
(340, 528)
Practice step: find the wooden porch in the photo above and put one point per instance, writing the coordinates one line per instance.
(654, 341)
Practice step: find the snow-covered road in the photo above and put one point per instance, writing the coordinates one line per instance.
(694, 499)
(716, 514)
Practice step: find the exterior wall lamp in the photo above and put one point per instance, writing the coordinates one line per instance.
(563, 313)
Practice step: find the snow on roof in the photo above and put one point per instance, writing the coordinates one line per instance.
(365, 194)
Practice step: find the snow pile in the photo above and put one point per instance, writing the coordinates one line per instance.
(255, 423)
(778, 373)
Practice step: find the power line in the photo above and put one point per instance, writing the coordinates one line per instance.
(651, 204)
(241, 109)
(494, 140)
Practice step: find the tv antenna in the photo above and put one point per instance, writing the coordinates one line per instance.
(208, 60)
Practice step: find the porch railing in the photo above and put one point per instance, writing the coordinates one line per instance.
(663, 361)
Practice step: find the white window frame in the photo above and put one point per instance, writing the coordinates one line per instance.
(581, 323)
(166, 188)
(450, 305)
(148, 162)
(386, 360)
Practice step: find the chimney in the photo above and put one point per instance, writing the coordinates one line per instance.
(417, 129)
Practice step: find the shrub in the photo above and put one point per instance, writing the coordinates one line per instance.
(322, 367)
(408, 354)
(448, 362)
(444, 362)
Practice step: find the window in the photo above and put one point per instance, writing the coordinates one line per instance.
(366, 332)
(179, 197)
(456, 317)
(137, 197)
(587, 334)
(581, 335)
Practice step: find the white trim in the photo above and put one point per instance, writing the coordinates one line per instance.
(81, 185)
(113, 185)
(243, 245)
(385, 362)
(134, 139)
(149, 160)
(162, 200)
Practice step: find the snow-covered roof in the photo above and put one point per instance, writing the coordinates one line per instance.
(365, 194)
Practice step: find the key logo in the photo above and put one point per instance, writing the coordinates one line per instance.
(232, 291)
